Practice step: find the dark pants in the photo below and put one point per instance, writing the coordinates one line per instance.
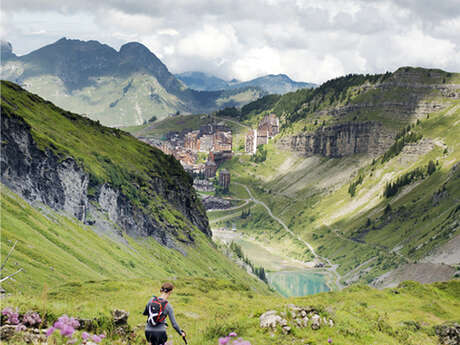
(156, 338)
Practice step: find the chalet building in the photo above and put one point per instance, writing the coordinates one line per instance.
(186, 157)
(223, 141)
(220, 157)
(167, 148)
(250, 145)
(268, 127)
(206, 142)
(270, 124)
(210, 169)
(224, 178)
(262, 137)
(191, 141)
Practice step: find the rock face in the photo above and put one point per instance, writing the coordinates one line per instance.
(341, 140)
(41, 176)
(449, 334)
(214, 203)
(368, 124)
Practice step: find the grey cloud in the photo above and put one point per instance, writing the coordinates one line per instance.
(267, 32)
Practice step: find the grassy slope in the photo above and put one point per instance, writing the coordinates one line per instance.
(55, 249)
(108, 155)
(210, 308)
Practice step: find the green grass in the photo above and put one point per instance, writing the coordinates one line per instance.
(210, 308)
(56, 249)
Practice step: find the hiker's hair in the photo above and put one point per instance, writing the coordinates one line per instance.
(166, 287)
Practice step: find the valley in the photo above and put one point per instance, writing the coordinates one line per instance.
(336, 199)
(315, 218)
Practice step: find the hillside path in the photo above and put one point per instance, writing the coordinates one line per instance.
(332, 268)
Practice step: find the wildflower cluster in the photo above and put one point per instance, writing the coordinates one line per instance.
(67, 326)
(232, 340)
(12, 316)
(31, 319)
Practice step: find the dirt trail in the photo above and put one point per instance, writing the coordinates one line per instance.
(332, 269)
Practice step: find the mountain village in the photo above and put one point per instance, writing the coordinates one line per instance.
(203, 151)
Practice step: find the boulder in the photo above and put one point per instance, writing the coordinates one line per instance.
(315, 322)
(449, 334)
(7, 331)
(286, 329)
(271, 320)
(120, 317)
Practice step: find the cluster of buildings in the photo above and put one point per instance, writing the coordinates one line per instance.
(267, 128)
(187, 146)
(215, 140)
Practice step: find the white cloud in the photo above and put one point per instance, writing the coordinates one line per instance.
(309, 40)
(256, 62)
(209, 42)
(420, 49)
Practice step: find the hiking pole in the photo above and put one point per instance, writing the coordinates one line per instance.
(185, 340)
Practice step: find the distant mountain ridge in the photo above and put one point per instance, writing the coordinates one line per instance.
(271, 83)
(118, 88)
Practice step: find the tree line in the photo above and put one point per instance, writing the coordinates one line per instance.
(258, 271)
(419, 173)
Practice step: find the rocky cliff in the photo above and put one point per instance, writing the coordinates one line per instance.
(362, 114)
(163, 206)
(341, 140)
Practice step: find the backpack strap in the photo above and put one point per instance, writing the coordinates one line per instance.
(152, 315)
(155, 318)
(161, 316)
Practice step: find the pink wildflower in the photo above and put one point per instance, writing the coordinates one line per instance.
(223, 341)
(67, 331)
(97, 339)
(50, 331)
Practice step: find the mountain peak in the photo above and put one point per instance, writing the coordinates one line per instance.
(6, 50)
(134, 47)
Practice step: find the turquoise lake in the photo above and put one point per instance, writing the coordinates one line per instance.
(297, 283)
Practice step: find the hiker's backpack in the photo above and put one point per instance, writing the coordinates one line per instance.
(156, 309)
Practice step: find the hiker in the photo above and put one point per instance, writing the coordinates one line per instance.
(157, 309)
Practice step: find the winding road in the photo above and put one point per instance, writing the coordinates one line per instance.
(332, 268)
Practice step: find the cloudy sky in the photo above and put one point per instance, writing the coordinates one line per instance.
(308, 40)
